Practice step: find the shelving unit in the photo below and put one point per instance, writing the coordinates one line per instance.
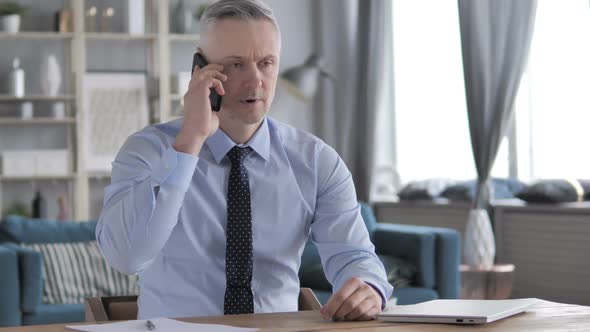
(120, 36)
(36, 35)
(8, 98)
(185, 38)
(38, 178)
(37, 120)
(159, 70)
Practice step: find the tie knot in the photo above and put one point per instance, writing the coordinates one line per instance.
(237, 154)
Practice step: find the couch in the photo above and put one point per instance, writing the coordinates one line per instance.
(21, 284)
(432, 253)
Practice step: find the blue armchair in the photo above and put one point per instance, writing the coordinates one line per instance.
(21, 283)
(9, 287)
(433, 254)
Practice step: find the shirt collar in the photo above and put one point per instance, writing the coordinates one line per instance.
(220, 144)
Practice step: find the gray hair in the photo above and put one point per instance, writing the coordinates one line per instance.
(247, 10)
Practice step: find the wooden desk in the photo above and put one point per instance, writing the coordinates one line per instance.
(545, 316)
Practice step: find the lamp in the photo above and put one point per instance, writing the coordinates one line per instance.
(302, 81)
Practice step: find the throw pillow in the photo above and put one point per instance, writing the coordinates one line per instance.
(424, 190)
(77, 270)
(556, 191)
(465, 191)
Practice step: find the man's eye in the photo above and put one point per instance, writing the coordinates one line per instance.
(236, 65)
(267, 63)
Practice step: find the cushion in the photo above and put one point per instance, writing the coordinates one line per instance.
(556, 191)
(76, 270)
(24, 230)
(465, 191)
(399, 273)
(425, 189)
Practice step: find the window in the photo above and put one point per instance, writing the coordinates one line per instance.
(432, 130)
(553, 103)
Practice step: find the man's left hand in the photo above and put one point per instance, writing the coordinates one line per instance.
(356, 300)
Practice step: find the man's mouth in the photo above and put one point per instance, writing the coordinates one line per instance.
(250, 100)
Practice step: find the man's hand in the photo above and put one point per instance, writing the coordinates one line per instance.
(356, 300)
(199, 121)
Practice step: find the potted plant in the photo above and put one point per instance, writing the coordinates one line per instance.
(10, 13)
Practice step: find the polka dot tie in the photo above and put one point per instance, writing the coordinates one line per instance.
(238, 254)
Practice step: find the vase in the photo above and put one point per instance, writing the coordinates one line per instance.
(50, 75)
(479, 245)
(10, 23)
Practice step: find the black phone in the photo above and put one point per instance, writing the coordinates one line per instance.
(214, 97)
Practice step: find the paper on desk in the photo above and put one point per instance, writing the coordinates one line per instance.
(162, 324)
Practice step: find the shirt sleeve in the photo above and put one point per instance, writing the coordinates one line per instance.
(339, 232)
(141, 205)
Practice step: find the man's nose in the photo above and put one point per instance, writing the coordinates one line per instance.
(253, 77)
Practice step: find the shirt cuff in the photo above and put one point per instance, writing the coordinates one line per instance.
(380, 292)
(175, 168)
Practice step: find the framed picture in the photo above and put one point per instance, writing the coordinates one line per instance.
(114, 106)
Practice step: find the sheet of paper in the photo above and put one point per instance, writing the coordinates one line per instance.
(162, 324)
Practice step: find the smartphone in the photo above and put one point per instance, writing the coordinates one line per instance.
(214, 97)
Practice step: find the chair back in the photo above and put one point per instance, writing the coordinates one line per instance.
(101, 309)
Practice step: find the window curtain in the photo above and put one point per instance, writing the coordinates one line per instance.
(495, 38)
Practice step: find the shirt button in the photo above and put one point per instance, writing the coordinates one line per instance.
(167, 166)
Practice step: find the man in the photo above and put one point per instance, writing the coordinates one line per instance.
(213, 211)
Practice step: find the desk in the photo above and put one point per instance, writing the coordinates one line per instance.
(545, 316)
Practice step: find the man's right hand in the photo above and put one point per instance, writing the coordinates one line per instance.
(200, 121)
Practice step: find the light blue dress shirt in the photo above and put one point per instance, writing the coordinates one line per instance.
(164, 218)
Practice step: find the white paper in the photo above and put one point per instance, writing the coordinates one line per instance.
(162, 324)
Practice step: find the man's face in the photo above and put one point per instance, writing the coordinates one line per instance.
(249, 52)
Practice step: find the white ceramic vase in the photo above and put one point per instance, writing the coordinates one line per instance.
(10, 23)
(50, 75)
(479, 245)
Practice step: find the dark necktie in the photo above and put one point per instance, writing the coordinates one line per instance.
(238, 255)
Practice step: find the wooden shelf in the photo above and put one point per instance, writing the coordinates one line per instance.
(187, 38)
(176, 97)
(119, 36)
(38, 177)
(36, 35)
(9, 98)
(40, 120)
(99, 175)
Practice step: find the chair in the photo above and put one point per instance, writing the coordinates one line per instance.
(100, 309)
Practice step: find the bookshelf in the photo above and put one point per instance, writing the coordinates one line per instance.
(158, 40)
